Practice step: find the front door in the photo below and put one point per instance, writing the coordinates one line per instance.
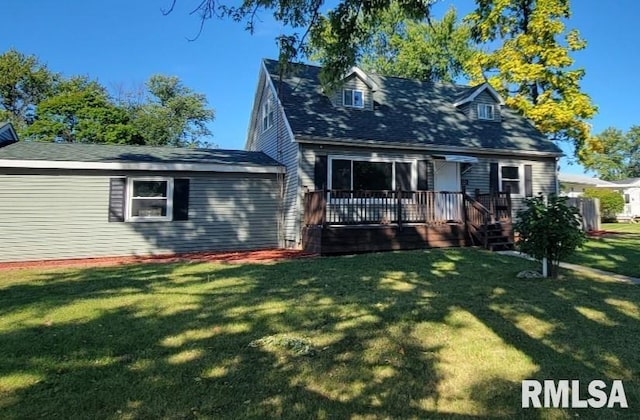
(447, 178)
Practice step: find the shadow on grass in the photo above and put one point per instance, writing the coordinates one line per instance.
(414, 334)
(616, 253)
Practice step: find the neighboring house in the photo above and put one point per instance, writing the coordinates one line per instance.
(575, 185)
(630, 190)
(384, 134)
(79, 200)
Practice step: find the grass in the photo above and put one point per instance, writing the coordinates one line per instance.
(395, 335)
(618, 253)
(632, 228)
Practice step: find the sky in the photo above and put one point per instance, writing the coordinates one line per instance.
(121, 43)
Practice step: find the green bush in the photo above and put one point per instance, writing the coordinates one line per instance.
(549, 229)
(611, 202)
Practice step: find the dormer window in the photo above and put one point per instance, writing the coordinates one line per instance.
(353, 98)
(485, 112)
(267, 115)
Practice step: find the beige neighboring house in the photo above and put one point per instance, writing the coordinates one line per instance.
(573, 185)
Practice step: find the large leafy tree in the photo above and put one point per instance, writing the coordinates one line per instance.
(531, 64)
(401, 46)
(81, 112)
(613, 154)
(172, 114)
(349, 22)
(24, 82)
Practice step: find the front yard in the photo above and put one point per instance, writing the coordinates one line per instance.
(618, 252)
(403, 335)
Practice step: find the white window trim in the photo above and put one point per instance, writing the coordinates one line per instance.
(488, 106)
(267, 115)
(414, 168)
(353, 91)
(520, 167)
(167, 218)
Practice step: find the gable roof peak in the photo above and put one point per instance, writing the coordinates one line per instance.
(362, 76)
(472, 93)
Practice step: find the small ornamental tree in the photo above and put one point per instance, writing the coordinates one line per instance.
(549, 229)
(611, 202)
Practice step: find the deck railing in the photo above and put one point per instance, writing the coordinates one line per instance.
(356, 207)
(498, 204)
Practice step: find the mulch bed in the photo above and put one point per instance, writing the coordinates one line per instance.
(261, 256)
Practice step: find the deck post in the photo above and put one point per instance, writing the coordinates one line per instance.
(323, 204)
(399, 209)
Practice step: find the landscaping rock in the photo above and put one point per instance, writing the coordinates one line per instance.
(530, 274)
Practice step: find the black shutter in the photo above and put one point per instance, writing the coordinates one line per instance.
(528, 181)
(320, 173)
(180, 199)
(493, 178)
(117, 194)
(403, 176)
(423, 175)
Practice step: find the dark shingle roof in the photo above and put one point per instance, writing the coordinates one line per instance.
(406, 112)
(131, 154)
(7, 133)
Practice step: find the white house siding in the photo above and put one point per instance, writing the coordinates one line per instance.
(64, 215)
(276, 142)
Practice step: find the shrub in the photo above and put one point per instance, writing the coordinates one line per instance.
(549, 229)
(611, 202)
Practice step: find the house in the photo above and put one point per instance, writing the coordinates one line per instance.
(382, 162)
(83, 200)
(575, 185)
(630, 190)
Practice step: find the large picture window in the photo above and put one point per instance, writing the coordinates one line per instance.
(347, 174)
(150, 199)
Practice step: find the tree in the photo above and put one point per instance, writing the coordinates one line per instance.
(172, 114)
(531, 67)
(611, 202)
(613, 154)
(24, 82)
(81, 112)
(348, 23)
(549, 229)
(400, 46)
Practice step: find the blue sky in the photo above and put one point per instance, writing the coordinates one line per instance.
(123, 42)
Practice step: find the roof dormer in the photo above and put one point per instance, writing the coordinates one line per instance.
(355, 91)
(481, 102)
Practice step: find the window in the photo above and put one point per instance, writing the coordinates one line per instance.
(150, 199)
(353, 98)
(627, 198)
(510, 179)
(267, 115)
(485, 111)
(349, 174)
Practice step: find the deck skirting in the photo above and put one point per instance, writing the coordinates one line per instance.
(331, 240)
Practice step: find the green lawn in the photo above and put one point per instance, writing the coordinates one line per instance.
(622, 227)
(618, 253)
(394, 335)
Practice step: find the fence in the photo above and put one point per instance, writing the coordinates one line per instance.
(589, 209)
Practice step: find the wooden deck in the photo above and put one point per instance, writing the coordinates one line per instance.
(341, 221)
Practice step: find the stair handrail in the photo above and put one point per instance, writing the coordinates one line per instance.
(481, 214)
